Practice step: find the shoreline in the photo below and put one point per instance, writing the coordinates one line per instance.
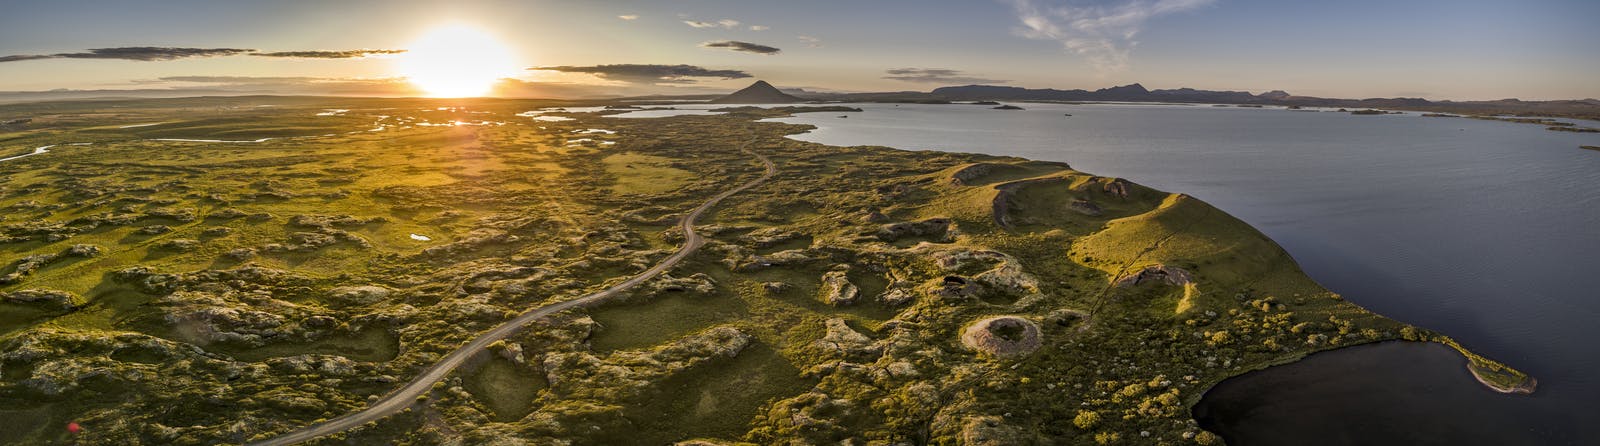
(1485, 373)
(1482, 368)
(1526, 386)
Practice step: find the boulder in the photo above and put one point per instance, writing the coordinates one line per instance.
(154, 230)
(698, 283)
(358, 295)
(52, 299)
(896, 297)
(83, 250)
(845, 341)
(1084, 207)
(954, 289)
(837, 289)
(1116, 187)
(775, 287)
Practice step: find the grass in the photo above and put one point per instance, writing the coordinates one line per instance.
(645, 174)
(251, 330)
(506, 388)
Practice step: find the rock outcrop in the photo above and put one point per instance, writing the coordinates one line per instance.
(937, 227)
(843, 341)
(1171, 275)
(1084, 207)
(837, 289)
(49, 299)
(967, 176)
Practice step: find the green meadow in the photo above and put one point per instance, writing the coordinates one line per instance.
(288, 265)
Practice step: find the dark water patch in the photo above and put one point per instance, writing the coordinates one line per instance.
(1385, 393)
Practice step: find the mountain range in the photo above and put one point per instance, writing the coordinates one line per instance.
(1580, 108)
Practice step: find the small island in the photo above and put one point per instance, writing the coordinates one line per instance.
(1009, 107)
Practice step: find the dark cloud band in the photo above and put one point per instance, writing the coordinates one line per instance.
(936, 75)
(139, 53)
(323, 54)
(160, 53)
(746, 47)
(642, 73)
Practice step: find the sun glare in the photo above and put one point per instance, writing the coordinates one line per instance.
(456, 61)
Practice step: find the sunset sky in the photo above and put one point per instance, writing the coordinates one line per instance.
(1438, 49)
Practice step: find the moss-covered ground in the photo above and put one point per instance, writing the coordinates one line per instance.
(158, 291)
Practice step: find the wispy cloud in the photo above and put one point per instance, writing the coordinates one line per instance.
(282, 80)
(724, 23)
(759, 27)
(326, 54)
(154, 53)
(383, 86)
(139, 53)
(22, 57)
(629, 17)
(811, 42)
(1103, 34)
(645, 73)
(936, 76)
(746, 47)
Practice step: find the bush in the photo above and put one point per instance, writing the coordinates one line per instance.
(1086, 419)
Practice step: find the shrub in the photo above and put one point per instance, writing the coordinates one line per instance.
(1086, 419)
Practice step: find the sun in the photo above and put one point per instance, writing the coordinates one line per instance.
(456, 61)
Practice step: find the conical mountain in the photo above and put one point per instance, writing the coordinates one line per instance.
(760, 92)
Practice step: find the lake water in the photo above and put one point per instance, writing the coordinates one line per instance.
(1486, 231)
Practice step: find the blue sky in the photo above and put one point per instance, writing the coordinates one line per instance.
(1464, 49)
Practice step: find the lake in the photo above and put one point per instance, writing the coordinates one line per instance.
(1483, 230)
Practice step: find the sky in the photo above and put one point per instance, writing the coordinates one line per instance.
(1436, 49)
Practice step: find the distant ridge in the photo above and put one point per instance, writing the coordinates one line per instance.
(1130, 92)
(760, 92)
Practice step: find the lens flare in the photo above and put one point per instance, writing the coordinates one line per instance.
(456, 61)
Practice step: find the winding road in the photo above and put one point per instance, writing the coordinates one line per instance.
(45, 149)
(407, 395)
